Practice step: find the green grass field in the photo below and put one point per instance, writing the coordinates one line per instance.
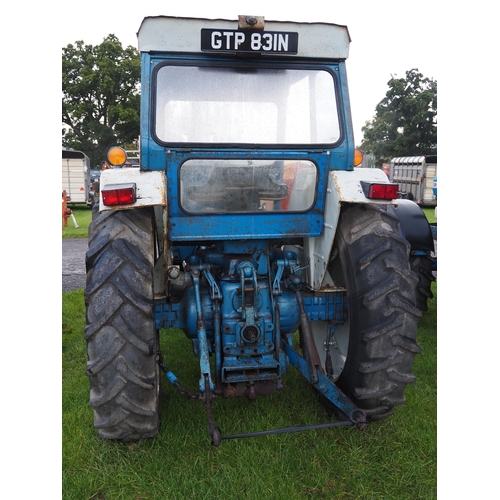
(83, 216)
(392, 459)
(429, 213)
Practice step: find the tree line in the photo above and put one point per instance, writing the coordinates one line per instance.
(405, 121)
(101, 105)
(101, 97)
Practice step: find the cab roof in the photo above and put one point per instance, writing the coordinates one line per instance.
(182, 34)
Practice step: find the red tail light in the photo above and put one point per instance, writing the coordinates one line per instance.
(118, 194)
(380, 191)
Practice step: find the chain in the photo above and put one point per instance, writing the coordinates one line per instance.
(188, 394)
(327, 345)
(173, 380)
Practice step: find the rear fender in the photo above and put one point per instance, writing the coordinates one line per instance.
(343, 187)
(414, 225)
(151, 191)
(151, 187)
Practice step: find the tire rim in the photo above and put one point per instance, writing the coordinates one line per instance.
(339, 345)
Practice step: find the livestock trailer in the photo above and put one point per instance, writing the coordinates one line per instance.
(76, 177)
(414, 175)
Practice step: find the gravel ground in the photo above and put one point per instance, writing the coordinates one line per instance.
(73, 263)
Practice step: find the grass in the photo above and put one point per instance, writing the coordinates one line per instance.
(391, 459)
(429, 213)
(83, 216)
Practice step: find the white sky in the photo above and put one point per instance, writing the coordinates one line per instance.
(386, 38)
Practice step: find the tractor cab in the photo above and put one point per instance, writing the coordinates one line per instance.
(246, 118)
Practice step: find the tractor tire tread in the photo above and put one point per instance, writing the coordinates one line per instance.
(120, 332)
(381, 290)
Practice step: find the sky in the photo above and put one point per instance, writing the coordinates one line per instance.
(387, 39)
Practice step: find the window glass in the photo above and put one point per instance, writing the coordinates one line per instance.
(245, 106)
(236, 186)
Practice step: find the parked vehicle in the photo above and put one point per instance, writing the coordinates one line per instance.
(95, 176)
(246, 222)
(76, 177)
(414, 176)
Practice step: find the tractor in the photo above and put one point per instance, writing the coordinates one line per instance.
(249, 225)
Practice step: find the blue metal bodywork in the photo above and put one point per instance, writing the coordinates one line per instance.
(184, 227)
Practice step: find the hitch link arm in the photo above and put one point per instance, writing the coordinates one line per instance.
(202, 336)
(206, 384)
(311, 353)
(326, 387)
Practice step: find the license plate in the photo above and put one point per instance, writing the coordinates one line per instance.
(271, 42)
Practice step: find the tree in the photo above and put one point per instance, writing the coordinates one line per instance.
(101, 96)
(405, 123)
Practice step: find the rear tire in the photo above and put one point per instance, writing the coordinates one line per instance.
(372, 263)
(121, 336)
(422, 266)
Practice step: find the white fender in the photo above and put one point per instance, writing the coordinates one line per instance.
(151, 191)
(343, 187)
(151, 186)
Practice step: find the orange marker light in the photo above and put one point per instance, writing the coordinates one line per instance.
(117, 156)
(358, 157)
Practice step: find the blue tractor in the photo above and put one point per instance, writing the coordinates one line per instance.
(246, 222)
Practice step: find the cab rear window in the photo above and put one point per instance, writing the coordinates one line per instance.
(245, 105)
